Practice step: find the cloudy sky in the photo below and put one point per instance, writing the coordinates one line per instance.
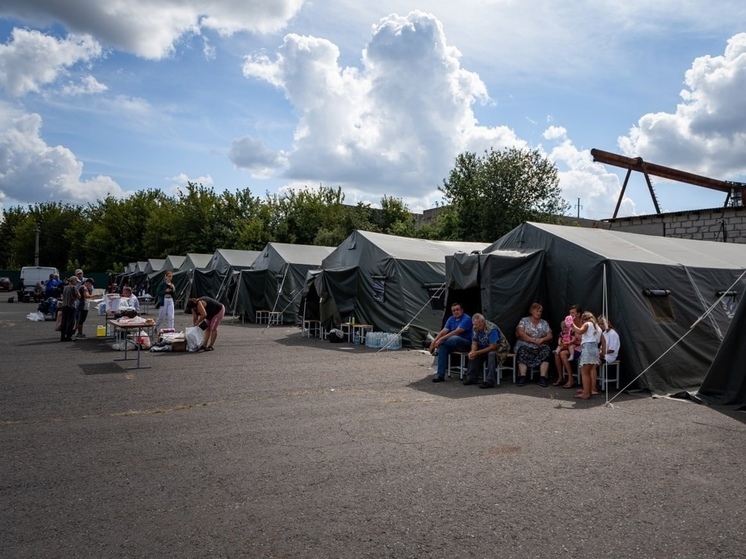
(110, 97)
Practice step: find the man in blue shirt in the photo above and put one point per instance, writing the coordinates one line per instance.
(53, 287)
(455, 336)
(484, 338)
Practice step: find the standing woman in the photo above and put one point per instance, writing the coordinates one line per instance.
(210, 310)
(590, 333)
(164, 299)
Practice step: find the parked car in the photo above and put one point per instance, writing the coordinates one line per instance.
(6, 284)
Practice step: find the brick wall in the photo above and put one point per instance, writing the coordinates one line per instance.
(709, 225)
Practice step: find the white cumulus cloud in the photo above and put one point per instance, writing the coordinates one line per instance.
(151, 29)
(30, 59)
(393, 126)
(32, 171)
(707, 132)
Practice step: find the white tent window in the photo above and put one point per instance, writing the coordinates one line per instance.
(660, 304)
(379, 288)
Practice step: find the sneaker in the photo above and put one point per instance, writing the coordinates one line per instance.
(486, 385)
(571, 358)
(439, 379)
(522, 380)
(543, 382)
(469, 382)
(81, 337)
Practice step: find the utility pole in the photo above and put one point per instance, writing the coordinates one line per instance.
(36, 246)
(579, 208)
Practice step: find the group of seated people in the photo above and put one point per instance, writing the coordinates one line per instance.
(584, 339)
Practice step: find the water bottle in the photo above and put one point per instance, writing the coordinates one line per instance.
(356, 338)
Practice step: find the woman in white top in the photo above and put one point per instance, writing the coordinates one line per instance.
(613, 344)
(589, 358)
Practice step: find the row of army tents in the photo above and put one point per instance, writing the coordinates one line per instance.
(674, 302)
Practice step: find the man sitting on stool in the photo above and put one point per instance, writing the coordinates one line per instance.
(484, 338)
(455, 336)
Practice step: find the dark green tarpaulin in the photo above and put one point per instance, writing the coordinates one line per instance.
(501, 285)
(277, 278)
(657, 288)
(386, 281)
(725, 383)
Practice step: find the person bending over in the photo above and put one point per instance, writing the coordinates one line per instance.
(212, 312)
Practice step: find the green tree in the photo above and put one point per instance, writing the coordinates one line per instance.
(495, 193)
(395, 218)
(115, 230)
(56, 224)
(300, 214)
(11, 221)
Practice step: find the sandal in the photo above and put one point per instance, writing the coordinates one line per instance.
(569, 385)
(559, 381)
(209, 348)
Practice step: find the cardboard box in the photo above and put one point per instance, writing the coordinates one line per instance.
(179, 346)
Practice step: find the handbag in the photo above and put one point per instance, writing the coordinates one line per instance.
(58, 322)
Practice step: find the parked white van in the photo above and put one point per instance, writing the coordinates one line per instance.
(29, 276)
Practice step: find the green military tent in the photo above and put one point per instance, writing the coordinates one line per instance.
(387, 281)
(654, 290)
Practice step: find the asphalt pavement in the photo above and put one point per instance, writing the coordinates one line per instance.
(276, 445)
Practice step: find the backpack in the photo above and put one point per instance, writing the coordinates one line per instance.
(503, 347)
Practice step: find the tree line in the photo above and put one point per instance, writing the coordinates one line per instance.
(484, 197)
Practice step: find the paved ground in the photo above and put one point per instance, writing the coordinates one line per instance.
(275, 445)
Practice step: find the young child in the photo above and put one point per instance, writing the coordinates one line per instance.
(589, 357)
(565, 340)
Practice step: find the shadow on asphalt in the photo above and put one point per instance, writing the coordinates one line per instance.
(453, 388)
(106, 368)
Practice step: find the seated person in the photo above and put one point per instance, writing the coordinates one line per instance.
(566, 341)
(127, 302)
(455, 336)
(484, 338)
(565, 355)
(38, 293)
(613, 344)
(532, 350)
(53, 287)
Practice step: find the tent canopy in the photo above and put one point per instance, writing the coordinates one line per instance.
(277, 278)
(225, 259)
(725, 382)
(386, 281)
(656, 288)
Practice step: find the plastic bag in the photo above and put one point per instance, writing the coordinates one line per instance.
(119, 346)
(142, 339)
(194, 338)
(58, 322)
(37, 316)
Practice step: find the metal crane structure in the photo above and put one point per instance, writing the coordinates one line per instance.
(734, 190)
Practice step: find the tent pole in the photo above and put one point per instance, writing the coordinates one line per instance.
(605, 312)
